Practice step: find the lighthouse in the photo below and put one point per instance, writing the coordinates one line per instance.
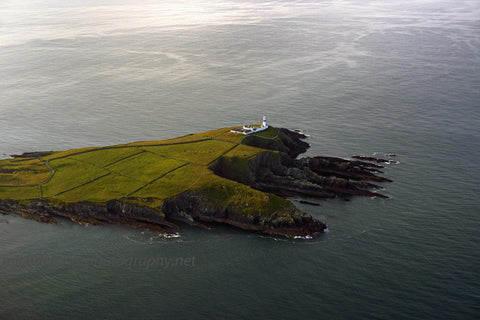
(264, 123)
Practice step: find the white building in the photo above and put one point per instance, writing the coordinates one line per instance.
(248, 129)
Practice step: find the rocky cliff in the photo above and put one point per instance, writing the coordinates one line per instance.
(285, 175)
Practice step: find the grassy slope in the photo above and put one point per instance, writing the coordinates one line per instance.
(23, 172)
(20, 193)
(142, 172)
(270, 133)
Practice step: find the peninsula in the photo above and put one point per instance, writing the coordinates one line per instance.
(217, 176)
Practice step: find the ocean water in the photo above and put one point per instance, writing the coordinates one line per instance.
(361, 77)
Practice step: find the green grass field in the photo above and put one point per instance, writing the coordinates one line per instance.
(145, 166)
(270, 133)
(213, 133)
(203, 152)
(105, 188)
(175, 182)
(230, 137)
(243, 151)
(185, 139)
(105, 157)
(20, 193)
(223, 192)
(18, 172)
(66, 153)
(70, 173)
(146, 172)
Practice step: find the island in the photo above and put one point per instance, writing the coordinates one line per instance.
(219, 176)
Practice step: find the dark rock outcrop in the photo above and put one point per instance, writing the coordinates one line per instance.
(323, 177)
(37, 154)
(114, 211)
(195, 206)
(287, 141)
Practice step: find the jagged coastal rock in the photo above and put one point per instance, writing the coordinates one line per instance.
(212, 177)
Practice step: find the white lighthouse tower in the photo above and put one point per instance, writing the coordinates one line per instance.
(264, 123)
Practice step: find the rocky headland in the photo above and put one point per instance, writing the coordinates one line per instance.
(243, 189)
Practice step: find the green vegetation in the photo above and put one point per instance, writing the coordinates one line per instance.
(269, 133)
(184, 139)
(144, 166)
(104, 188)
(271, 139)
(63, 154)
(203, 152)
(213, 133)
(105, 157)
(243, 151)
(234, 168)
(22, 172)
(221, 192)
(20, 193)
(175, 182)
(231, 137)
(70, 173)
(145, 173)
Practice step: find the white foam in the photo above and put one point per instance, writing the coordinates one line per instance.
(393, 162)
(171, 235)
(302, 237)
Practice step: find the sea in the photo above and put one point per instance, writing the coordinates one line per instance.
(398, 79)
